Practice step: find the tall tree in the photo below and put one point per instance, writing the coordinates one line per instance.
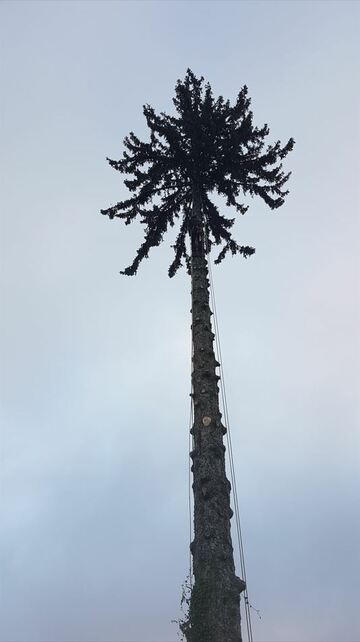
(208, 146)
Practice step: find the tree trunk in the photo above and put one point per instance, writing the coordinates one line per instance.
(215, 600)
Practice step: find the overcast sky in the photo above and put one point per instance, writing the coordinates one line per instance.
(95, 366)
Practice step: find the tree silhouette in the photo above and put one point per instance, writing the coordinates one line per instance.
(209, 147)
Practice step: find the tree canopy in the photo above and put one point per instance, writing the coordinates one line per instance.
(209, 146)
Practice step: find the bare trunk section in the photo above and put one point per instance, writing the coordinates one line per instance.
(215, 600)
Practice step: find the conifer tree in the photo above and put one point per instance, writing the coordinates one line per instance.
(209, 146)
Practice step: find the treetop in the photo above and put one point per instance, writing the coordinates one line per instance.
(209, 146)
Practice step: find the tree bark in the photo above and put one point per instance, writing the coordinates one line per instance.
(215, 600)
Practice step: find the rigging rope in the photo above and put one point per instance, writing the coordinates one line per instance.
(191, 446)
(231, 458)
(247, 605)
